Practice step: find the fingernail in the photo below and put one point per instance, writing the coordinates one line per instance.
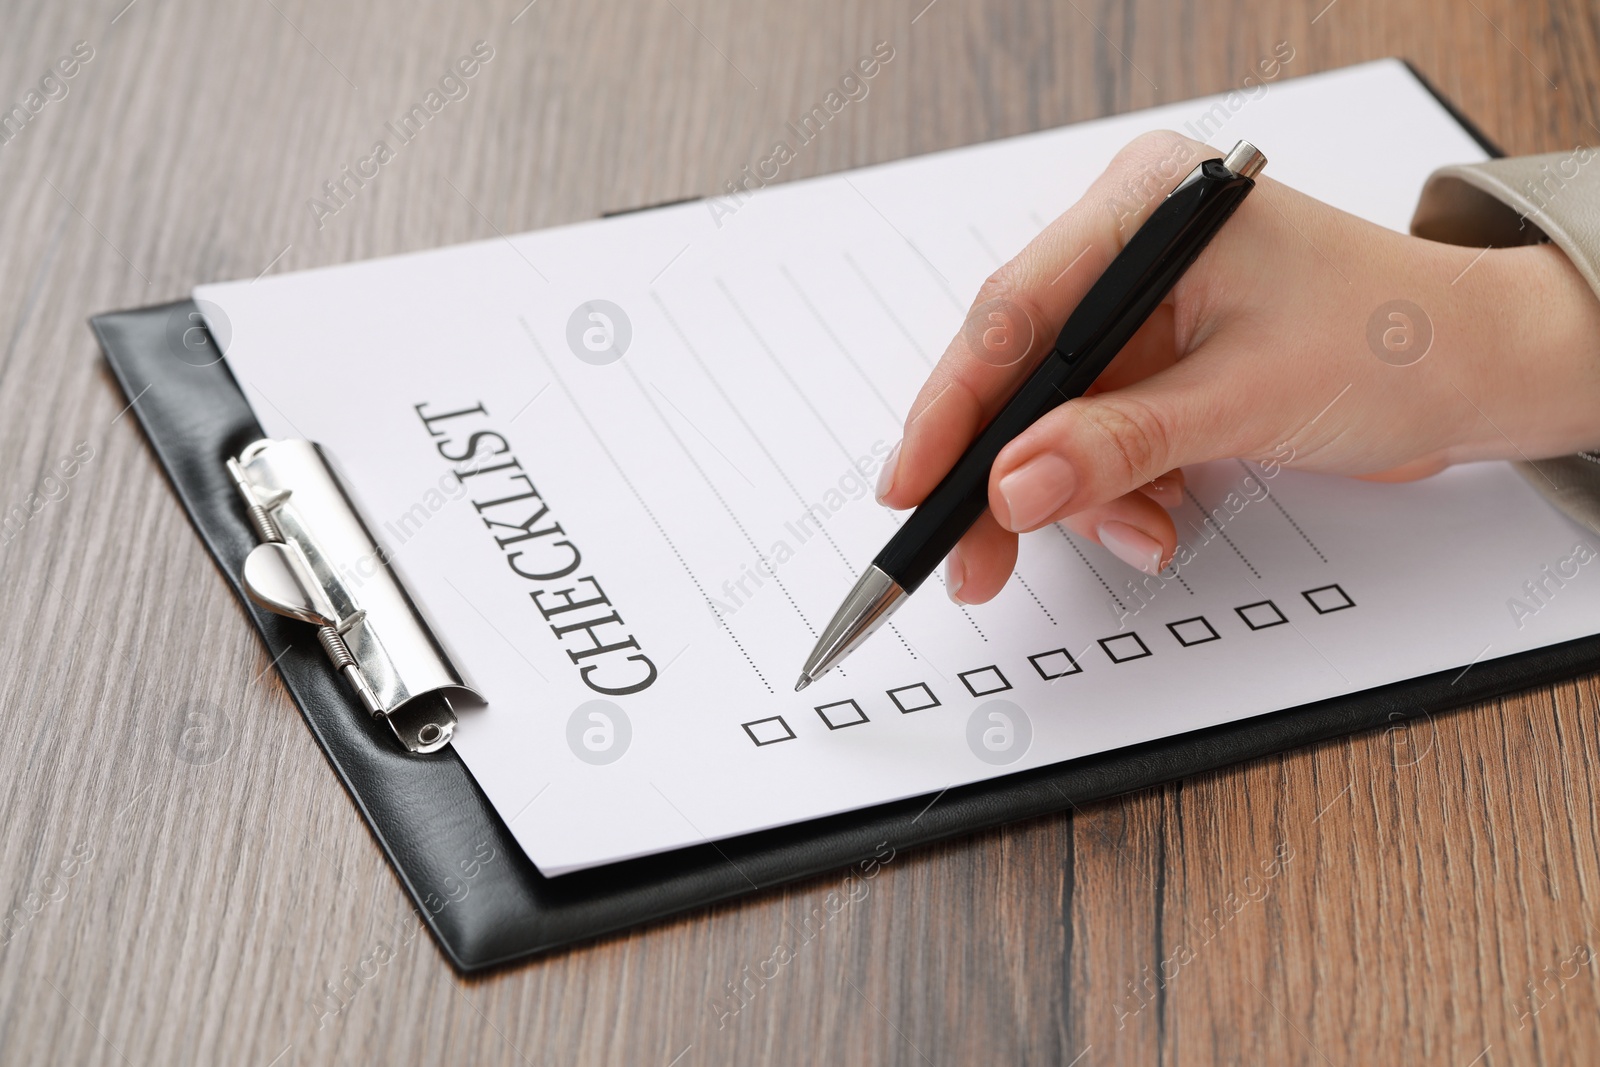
(955, 575)
(1134, 547)
(886, 473)
(1036, 490)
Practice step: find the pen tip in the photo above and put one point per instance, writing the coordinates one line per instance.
(805, 680)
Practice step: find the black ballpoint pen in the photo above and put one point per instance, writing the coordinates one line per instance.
(1137, 280)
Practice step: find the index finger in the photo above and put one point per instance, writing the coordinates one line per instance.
(1028, 298)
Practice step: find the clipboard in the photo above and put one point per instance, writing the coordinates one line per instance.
(486, 904)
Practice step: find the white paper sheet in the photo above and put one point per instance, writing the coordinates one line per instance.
(714, 482)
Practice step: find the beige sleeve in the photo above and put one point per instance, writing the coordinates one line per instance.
(1529, 200)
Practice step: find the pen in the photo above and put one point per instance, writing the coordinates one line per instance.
(1119, 302)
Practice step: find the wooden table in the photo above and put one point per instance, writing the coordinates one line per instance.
(185, 896)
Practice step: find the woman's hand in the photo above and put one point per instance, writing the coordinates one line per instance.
(1285, 343)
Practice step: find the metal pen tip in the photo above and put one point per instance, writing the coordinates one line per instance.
(871, 601)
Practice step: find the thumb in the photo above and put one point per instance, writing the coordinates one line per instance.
(1094, 449)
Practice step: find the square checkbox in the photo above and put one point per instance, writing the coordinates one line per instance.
(909, 698)
(768, 731)
(1124, 647)
(1328, 598)
(841, 713)
(1195, 631)
(1057, 663)
(1260, 615)
(981, 681)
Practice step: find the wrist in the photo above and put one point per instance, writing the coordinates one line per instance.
(1536, 362)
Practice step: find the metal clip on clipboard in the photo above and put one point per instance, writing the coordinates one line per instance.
(317, 563)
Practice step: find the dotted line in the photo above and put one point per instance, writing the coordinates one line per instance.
(1296, 526)
(1036, 599)
(1104, 584)
(729, 631)
(694, 354)
(738, 309)
(939, 574)
(710, 605)
(1282, 511)
(822, 528)
(770, 570)
(1211, 525)
(968, 616)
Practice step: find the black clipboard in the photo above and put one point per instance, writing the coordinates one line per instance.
(485, 902)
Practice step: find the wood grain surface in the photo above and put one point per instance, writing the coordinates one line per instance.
(184, 879)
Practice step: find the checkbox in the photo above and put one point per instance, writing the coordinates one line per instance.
(1328, 598)
(982, 681)
(909, 698)
(1195, 631)
(768, 731)
(1260, 615)
(1124, 647)
(842, 713)
(1057, 663)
